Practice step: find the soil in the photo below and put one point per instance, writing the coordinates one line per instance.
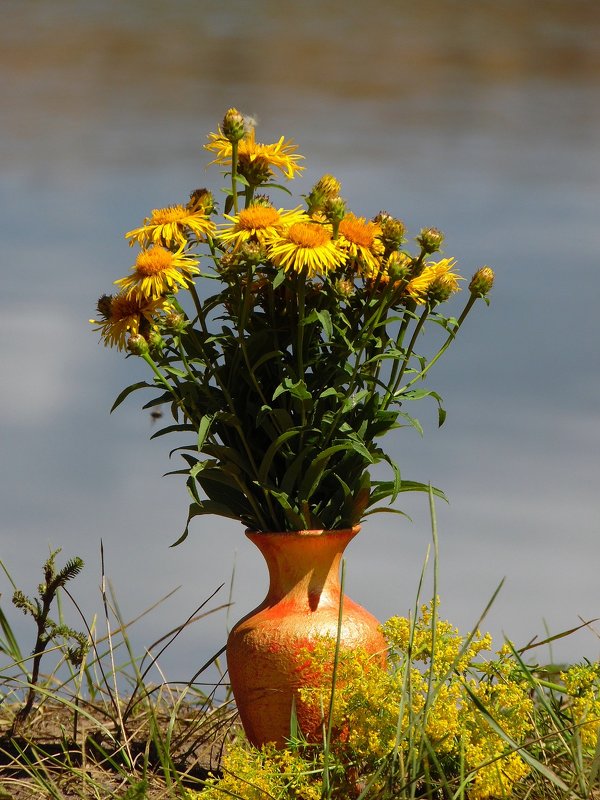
(82, 757)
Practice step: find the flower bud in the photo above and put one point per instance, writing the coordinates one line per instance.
(234, 126)
(137, 345)
(344, 287)
(155, 341)
(175, 323)
(398, 266)
(104, 306)
(335, 209)
(329, 186)
(482, 282)
(441, 289)
(229, 262)
(256, 171)
(392, 231)
(201, 200)
(324, 189)
(430, 239)
(262, 200)
(252, 254)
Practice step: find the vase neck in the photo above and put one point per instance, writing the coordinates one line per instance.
(303, 566)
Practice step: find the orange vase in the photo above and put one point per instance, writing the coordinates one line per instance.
(264, 649)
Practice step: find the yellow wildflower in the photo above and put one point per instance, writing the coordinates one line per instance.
(254, 157)
(306, 247)
(123, 316)
(435, 274)
(157, 272)
(259, 223)
(170, 227)
(361, 240)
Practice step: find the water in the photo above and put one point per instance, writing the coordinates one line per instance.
(482, 120)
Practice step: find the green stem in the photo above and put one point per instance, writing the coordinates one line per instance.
(249, 194)
(234, 163)
(395, 382)
(443, 348)
(370, 325)
(408, 315)
(300, 307)
(161, 379)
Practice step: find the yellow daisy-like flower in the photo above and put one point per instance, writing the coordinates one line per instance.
(170, 226)
(434, 273)
(124, 316)
(255, 158)
(361, 241)
(306, 247)
(157, 272)
(259, 223)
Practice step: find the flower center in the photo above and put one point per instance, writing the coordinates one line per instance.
(358, 231)
(123, 307)
(162, 216)
(153, 261)
(308, 234)
(257, 217)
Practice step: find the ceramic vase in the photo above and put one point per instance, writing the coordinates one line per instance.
(266, 650)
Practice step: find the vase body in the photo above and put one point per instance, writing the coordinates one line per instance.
(264, 649)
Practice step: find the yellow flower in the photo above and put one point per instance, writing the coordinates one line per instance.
(259, 223)
(170, 226)
(434, 274)
(255, 158)
(306, 247)
(361, 241)
(124, 316)
(157, 271)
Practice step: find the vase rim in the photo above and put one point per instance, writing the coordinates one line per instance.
(307, 533)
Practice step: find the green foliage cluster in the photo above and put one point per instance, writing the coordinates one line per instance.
(308, 354)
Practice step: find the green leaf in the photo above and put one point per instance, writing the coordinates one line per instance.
(279, 278)
(179, 373)
(203, 508)
(415, 486)
(412, 421)
(276, 186)
(272, 355)
(229, 456)
(325, 320)
(184, 427)
(386, 510)
(296, 521)
(317, 468)
(203, 430)
(330, 392)
(127, 391)
(297, 389)
(282, 417)
(274, 447)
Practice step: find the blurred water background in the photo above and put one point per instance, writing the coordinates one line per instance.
(482, 119)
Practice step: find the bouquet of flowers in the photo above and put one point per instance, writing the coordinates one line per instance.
(285, 340)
